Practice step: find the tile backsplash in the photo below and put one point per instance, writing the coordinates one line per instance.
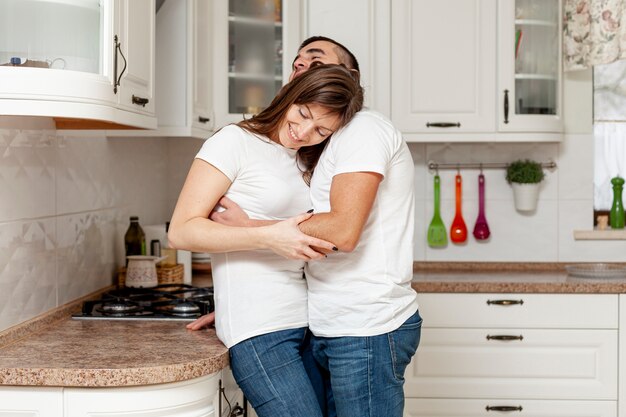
(64, 207)
(65, 202)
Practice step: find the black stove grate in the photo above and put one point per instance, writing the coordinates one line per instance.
(164, 302)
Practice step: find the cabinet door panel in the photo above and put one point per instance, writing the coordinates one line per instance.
(520, 310)
(543, 364)
(136, 33)
(31, 402)
(443, 56)
(202, 66)
(192, 397)
(529, 66)
(477, 408)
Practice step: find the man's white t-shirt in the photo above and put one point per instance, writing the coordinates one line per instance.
(257, 292)
(368, 291)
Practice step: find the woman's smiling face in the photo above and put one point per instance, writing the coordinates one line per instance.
(306, 125)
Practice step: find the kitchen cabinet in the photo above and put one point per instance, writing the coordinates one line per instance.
(86, 63)
(28, 402)
(544, 353)
(457, 73)
(184, 39)
(249, 64)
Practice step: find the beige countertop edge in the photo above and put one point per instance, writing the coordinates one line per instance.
(103, 378)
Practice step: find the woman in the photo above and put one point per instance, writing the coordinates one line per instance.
(264, 165)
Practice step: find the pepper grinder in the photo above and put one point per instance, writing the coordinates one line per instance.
(617, 209)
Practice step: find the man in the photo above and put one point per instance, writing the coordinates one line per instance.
(362, 309)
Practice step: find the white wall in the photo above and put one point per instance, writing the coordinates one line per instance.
(64, 207)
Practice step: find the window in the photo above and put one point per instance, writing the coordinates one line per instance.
(609, 115)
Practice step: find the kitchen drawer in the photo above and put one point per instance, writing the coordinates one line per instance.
(544, 364)
(570, 311)
(478, 408)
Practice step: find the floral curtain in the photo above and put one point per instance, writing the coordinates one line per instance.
(594, 32)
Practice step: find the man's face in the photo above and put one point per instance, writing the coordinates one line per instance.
(315, 53)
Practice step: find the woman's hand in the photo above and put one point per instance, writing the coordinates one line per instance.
(286, 240)
(202, 322)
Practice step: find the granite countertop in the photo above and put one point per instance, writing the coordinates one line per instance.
(508, 278)
(55, 350)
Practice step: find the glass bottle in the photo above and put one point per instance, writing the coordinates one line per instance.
(135, 238)
(616, 217)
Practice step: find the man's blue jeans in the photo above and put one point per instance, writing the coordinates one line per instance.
(367, 373)
(271, 370)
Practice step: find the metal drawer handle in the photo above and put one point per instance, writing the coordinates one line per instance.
(204, 119)
(504, 408)
(505, 337)
(443, 124)
(140, 101)
(505, 302)
(506, 106)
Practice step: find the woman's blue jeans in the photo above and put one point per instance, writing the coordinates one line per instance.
(367, 373)
(273, 371)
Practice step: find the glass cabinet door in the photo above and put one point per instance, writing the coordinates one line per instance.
(255, 54)
(530, 65)
(54, 34)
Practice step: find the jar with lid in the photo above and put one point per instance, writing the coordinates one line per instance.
(135, 238)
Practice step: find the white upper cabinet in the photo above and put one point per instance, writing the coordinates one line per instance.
(184, 69)
(57, 59)
(455, 75)
(443, 66)
(136, 34)
(529, 77)
(249, 64)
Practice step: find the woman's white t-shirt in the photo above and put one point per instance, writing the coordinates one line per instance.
(257, 292)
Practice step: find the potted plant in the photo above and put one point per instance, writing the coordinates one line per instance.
(525, 176)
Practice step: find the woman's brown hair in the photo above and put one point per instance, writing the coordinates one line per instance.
(331, 86)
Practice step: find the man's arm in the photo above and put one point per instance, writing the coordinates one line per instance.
(351, 198)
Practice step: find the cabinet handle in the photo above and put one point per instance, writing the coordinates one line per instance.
(237, 411)
(443, 124)
(505, 337)
(204, 119)
(117, 80)
(140, 101)
(504, 408)
(505, 302)
(506, 106)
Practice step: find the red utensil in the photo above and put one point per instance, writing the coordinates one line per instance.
(458, 230)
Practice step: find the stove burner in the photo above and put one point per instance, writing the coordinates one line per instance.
(173, 301)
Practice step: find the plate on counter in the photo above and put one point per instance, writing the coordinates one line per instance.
(596, 270)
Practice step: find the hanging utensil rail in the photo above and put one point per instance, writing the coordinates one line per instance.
(434, 166)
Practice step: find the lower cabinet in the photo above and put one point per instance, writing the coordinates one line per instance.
(521, 354)
(523, 408)
(31, 402)
(215, 395)
(187, 398)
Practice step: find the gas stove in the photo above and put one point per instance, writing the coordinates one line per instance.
(164, 302)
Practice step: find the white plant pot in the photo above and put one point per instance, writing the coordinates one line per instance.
(525, 196)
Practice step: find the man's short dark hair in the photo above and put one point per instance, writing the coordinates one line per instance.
(347, 58)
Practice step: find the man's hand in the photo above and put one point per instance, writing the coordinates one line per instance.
(202, 322)
(232, 215)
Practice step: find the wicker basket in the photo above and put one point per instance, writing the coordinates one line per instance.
(171, 274)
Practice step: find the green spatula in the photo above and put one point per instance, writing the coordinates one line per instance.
(437, 232)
